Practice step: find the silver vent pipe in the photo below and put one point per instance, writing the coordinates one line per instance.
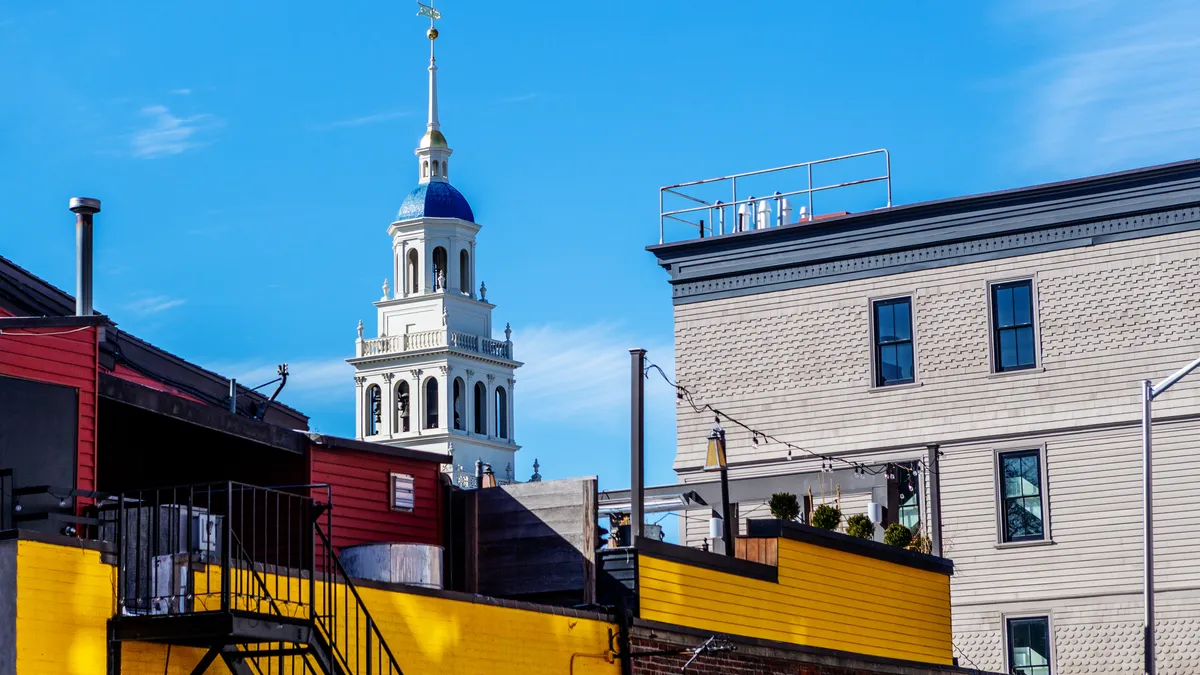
(84, 208)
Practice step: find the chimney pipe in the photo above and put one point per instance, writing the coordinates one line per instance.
(84, 208)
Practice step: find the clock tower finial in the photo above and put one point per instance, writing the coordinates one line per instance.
(433, 152)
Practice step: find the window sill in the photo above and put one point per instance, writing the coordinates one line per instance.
(1025, 544)
(894, 387)
(1016, 373)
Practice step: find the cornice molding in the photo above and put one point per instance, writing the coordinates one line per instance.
(929, 257)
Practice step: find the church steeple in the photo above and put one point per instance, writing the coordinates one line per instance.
(433, 153)
(434, 377)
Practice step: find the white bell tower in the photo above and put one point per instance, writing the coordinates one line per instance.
(434, 378)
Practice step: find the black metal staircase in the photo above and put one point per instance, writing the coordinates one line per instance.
(248, 573)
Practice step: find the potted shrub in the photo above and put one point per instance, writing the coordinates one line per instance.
(784, 506)
(859, 525)
(826, 517)
(897, 534)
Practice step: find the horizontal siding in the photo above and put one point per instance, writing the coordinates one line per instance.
(797, 362)
(1094, 483)
(824, 598)
(62, 356)
(362, 511)
(1090, 635)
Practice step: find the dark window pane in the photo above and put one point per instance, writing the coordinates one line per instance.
(1021, 495)
(884, 323)
(1030, 475)
(904, 360)
(1008, 349)
(889, 368)
(1025, 352)
(1029, 646)
(1004, 307)
(1022, 296)
(903, 320)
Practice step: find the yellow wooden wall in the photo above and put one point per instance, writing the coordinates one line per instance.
(825, 598)
(65, 596)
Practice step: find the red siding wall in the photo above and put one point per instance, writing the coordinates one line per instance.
(65, 356)
(362, 499)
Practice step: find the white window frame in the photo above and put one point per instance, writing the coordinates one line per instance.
(394, 481)
(912, 317)
(1038, 365)
(1049, 617)
(998, 489)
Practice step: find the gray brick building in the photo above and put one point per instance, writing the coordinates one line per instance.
(1011, 330)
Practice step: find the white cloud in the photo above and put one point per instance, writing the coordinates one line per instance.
(167, 134)
(520, 98)
(153, 305)
(1123, 88)
(180, 92)
(580, 375)
(364, 120)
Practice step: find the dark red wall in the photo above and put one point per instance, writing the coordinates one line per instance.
(361, 497)
(65, 356)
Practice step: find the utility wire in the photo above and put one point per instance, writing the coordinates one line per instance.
(964, 656)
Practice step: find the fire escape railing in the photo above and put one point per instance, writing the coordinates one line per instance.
(230, 547)
(360, 646)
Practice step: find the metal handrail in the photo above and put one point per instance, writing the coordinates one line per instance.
(372, 626)
(809, 190)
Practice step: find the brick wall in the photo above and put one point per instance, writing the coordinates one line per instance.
(750, 659)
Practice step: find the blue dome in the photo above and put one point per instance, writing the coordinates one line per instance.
(435, 200)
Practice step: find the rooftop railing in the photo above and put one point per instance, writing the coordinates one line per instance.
(709, 216)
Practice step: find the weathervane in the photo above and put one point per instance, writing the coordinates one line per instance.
(434, 15)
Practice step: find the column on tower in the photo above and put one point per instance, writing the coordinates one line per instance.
(512, 406)
(387, 405)
(359, 415)
(444, 420)
(469, 402)
(490, 404)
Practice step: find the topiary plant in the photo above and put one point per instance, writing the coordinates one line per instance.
(897, 534)
(860, 526)
(826, 517)
(784, 506)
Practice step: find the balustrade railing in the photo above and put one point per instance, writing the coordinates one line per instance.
(432, 339)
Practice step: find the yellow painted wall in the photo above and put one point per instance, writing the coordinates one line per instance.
(65, 596)
(825, 598)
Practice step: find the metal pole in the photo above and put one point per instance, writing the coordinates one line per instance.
(1147, 528)
(661, 219)
(1150, 391)
(637, 444)
(935, 499)
(810, 193)
(726, 512)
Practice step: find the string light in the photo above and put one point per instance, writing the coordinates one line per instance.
(758, 437)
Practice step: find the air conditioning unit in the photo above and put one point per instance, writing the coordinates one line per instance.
(206, 536)
(171, 580)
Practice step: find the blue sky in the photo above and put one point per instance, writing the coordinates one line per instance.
(251, 155)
